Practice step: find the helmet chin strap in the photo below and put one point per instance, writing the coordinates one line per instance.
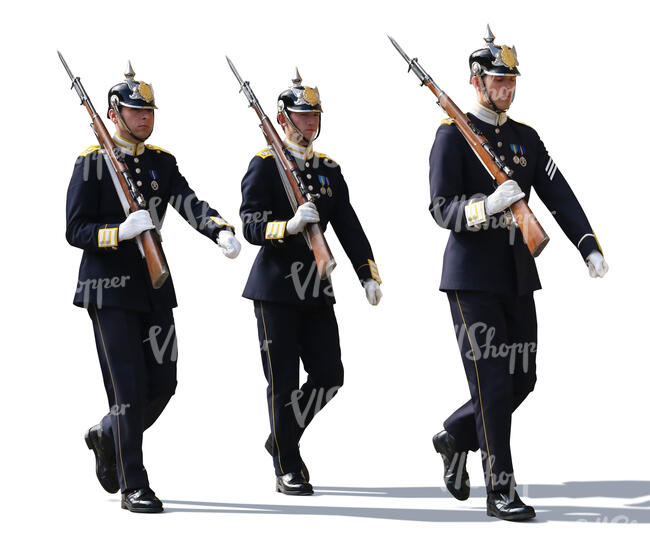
(299, 132)
(486, 95)
(115, 106)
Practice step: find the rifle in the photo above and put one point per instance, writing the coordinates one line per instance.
(534, 235)
(130, 197)
(291, 180)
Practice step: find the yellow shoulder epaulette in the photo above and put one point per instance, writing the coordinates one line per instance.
(448, 120)
(154, 148)
(264, 153)
(90, 150)
(323, 156)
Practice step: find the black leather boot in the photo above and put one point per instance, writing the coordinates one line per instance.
(501, 505)
(303, 468)
(141, 500)
(454, 460)
(293, 483)
(103, 447)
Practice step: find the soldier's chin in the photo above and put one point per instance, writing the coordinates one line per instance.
(144, 134)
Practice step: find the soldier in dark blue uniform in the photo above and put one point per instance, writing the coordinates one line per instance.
(489, 275)
(133, 323)
(294, 308)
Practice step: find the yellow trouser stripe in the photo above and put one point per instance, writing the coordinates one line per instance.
(108, 363)
(478, 382)
(268, 357)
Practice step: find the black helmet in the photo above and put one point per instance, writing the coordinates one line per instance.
(299, 98)
(493, 59)
(131, 93)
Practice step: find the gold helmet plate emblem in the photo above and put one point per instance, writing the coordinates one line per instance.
(311, 95)
(145, 91)
(508, 56)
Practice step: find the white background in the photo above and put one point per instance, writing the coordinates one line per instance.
(580, 441)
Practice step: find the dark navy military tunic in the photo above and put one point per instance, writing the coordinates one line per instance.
(284, 270)
(114, 274)
(490, 257)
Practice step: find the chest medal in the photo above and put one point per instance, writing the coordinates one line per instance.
(325, 187)
(518, 150)
(154, 179)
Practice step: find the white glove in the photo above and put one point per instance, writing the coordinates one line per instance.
(228, 243)
(305, 214)
(503, 197)
(373, 292)
(134, 225)
(597, 264)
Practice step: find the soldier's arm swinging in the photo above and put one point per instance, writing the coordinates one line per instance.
(553, 189)
(195, 211)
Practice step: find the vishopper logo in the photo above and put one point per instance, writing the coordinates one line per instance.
(497, 479)
(119, 410)
(153, 204)
(196, 212)
(314, 162)
(501, 93)
(302, 284)
(441, 206)
(620, 518)
(97, 161)
(480, 346)
(91, 162)
(99, 285)
(256, 217)
(160, 349)
(458, 463)
(492, 479)
(318, 398)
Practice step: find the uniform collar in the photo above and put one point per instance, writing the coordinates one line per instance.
(488, 115)
(299, 151)
(132, 149)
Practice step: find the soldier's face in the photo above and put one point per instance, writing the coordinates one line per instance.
(501, 90)
(139, 121)
(306, 122)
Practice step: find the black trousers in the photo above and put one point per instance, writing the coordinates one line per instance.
(137, 353)
(288, 334)
(497, 337)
